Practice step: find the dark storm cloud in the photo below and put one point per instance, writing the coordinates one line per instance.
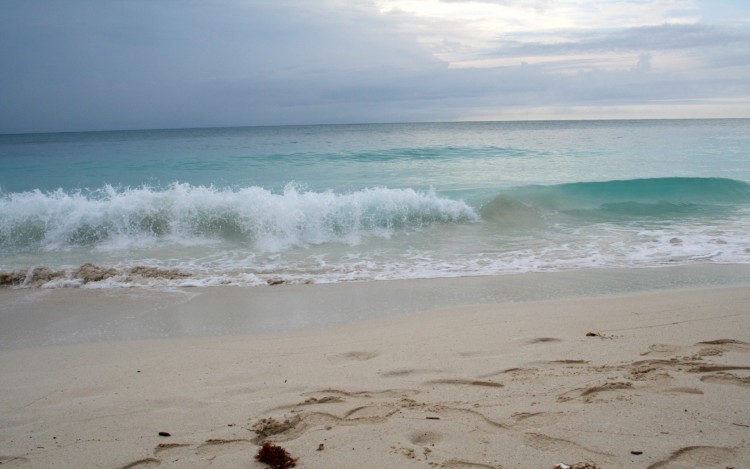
(143, 63)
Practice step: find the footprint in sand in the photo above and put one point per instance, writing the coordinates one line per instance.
(367, 407)
(557, 445)
(543, 340)
(529, 420)
(704, 349)
(467, 382)
(563, 448)
(206, 451)
(663, 349)
(460, 463)
(730, 344)
(666, 363)
(727, 378)
(13, 461)
(423, 438)
(142, 463)
(373, 411)
(681, 390)
(381, 393)
(401, 372)
(514, 374)
(696, 456)
(568, 362)
(713, 348)
(310, 401)
(359, 355)
(478, 420)
(593, 393)
(712, 368)
(214, 447)
(168, 446)
(268, 428)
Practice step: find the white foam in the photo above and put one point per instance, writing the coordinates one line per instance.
(184, 215)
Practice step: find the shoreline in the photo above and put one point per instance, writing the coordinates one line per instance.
(513, 384)
(42, 317)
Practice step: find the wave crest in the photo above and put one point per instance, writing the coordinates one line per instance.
(183, 214)
(656, 197)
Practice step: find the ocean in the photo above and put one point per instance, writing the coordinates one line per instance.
(334, 203)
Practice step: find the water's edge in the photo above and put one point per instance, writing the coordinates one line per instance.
(35, 317)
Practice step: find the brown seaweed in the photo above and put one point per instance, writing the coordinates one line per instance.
(275, 456)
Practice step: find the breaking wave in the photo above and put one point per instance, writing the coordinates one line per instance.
(183, 214)
(187, 235)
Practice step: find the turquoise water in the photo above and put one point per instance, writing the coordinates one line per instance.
(360, 202)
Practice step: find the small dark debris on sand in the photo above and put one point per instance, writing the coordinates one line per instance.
(578, 465)
(275, 456)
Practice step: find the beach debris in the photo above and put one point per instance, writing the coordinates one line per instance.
(93, 273)
(636, 453)
(275, 281)
(275, 456)
(35, 277)
(165, 434)
(578, 465)
(9, 278)
(600, 335)
(321, 447)
(142, 271)
(429, 417)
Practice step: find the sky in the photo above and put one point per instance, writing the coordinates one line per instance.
(78, 65)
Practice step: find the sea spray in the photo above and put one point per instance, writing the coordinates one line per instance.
(182, 214)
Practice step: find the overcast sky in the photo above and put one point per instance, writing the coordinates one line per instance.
(131, 64)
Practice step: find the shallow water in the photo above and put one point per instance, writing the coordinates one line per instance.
(44, 317)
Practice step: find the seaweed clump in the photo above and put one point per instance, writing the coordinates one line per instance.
(275, 456)
(35, 277)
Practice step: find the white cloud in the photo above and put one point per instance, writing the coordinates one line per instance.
(460, 30)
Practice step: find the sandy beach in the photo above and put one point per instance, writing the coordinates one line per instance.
(639, 379)
(375, 234)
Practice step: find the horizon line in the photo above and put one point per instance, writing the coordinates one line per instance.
(248, 126)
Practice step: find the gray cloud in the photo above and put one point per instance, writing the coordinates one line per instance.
(90, 65)
(647, 38)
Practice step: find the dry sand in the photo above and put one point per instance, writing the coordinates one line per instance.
(663, 383)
